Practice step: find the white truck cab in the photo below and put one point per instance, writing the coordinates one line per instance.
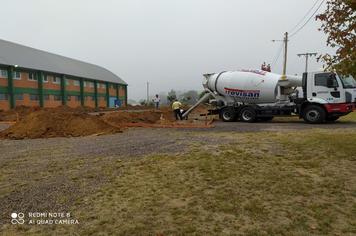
(336, 95)
(349, 83)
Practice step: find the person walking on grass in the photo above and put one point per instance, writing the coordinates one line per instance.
(156, 100)
(176, 106)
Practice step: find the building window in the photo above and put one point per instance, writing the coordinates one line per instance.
(17, 75)
(3, 73)
(46, 97)
(103, 86)
(56, 80)
(76, 83)
(91, 84)
(77, 98)
(69, 98)
(34, 97)
(3, 96)
(19, 96)
(45, 79)
(67, 82)
(57, 98)
(32, 76)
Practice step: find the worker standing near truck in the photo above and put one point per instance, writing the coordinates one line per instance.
(156, 100)
(176, 106)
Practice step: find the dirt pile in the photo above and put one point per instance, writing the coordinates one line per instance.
(17, 114)
(162, 118)
(64, 121)
(124, 118)
(58, 123)
(22, 111)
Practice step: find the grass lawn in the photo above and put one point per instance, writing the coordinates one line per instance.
(349, 117)
(267, 183)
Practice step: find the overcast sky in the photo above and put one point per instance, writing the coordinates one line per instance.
(169, 43)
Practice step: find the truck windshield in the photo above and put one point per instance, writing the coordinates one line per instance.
(348, 81)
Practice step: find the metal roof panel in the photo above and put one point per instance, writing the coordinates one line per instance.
(31, 58)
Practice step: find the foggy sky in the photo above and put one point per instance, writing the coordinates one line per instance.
(169, 43)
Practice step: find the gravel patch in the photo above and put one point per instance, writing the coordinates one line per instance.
(132, 143)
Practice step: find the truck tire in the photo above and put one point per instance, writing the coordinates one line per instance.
(228, 114)
(313, 114)
(247, 114)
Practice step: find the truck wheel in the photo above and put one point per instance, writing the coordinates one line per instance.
(248, 114)
(314, 114)
(228, 114)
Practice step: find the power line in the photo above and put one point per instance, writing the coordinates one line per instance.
(278, 54)
(307, 20)
(287, 36)
(304, 16)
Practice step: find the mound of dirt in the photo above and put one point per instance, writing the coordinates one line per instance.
(123, 117)
(163, 118)
(17, 114)
(20, 112)
(58, 122)
(63, 121)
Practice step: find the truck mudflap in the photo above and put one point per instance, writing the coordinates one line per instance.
(339, 107)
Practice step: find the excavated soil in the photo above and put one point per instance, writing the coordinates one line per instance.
(57, 123)
(122, 117)
(17, 114)
(73, 122)
(20, 112)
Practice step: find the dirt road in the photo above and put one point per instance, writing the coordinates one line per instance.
(261, 126)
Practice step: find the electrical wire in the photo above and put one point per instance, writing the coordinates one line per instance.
(278, 54)
(304, 17)
(293, 34)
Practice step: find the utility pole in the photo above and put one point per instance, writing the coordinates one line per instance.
(283, 82)
(307, 55)
(148, 92)
(285, 42)
(285, 56)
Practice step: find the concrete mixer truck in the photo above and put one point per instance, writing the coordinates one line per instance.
(252, 95)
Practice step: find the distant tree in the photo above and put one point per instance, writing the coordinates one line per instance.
(339, 23)
(172, 95)
(190, 97)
